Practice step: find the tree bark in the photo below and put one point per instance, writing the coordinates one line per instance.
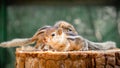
(73, 59)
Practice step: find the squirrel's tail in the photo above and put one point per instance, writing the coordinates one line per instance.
(17, 42)
(107, 45)
(102, 46)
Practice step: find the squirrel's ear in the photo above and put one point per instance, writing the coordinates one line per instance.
(40, 32)
(59, 31)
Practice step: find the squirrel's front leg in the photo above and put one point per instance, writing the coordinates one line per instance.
(37, 45)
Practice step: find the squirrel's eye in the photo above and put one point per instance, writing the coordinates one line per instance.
(69, 30)
(53, 34)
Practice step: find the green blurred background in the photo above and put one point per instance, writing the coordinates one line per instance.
(94, 20)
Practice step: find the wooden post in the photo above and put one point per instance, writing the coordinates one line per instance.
(74, 59)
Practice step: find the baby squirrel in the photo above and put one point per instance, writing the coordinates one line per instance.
(61, 41)
(38, 37)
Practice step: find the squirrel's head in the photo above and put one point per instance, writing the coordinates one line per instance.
(56, 38)
(67, 27)
(55, 35)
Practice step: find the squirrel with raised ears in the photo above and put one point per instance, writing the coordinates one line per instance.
(63, 41)
(68, 30)
(68, 41)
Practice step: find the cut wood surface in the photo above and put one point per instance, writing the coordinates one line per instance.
(72, 59)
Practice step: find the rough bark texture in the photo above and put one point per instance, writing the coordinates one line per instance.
(75, 59)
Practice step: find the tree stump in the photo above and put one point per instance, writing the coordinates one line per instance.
(71, 59)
